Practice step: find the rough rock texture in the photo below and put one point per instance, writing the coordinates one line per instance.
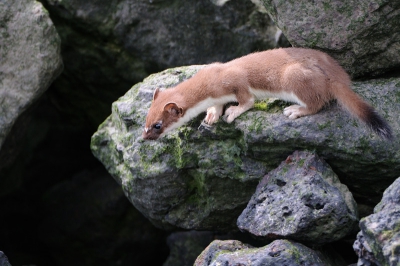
(183, 179)
(302, 200)
(30, 58)
(4, 260)
(279, 252)
(378, 242)
(363, 35)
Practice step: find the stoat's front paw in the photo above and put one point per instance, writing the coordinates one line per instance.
(213, 114)
(293, 111)
(231, 113)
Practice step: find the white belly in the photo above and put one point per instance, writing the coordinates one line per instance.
(286, 96)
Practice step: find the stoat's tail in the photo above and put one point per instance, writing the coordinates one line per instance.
(362, 110)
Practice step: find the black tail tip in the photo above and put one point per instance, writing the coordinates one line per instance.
(384, 132)
(379, 125)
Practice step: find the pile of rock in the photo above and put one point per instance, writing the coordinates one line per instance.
(203, 179)
(302, 200)
(196, 179)
(106, 46)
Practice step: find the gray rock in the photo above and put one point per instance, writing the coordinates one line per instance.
(364, 252)
(378, 242)
(302, 200)
(279, 252)
(4, 260)
(363, 35)
(183, 179)
(30, 58)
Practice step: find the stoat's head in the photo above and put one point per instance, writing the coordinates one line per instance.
(163, 113)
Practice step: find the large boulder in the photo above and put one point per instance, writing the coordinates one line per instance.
(30, 59)
(378, 242)
(363, 35)
(203, 179)
(302, 200)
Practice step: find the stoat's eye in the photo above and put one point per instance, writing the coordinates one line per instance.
(157, 126)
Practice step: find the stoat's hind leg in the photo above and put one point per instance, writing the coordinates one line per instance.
(296, 111)
(213, 114)
(308, 88)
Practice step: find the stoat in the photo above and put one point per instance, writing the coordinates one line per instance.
(307, 77)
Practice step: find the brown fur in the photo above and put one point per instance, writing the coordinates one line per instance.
(308, 77)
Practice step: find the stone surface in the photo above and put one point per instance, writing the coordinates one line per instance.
(279, 252)
(183, 179)
(4, 260)
(302, 200)
(363, 35)
(378, 242)
(30, 58)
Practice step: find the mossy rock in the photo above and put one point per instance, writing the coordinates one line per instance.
(203, 178)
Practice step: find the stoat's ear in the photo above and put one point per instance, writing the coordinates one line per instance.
(173, 109)
(155, 93)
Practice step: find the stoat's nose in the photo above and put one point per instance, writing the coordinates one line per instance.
(145, 135)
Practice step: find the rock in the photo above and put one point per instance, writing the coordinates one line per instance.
(364, 251)
(186, 246)
(378, 242)
(29, 61)
(192, 179)
(4, 260)
(89, 216)
(279, 252)
(30, 58)
(302, 200)
(191, 194)
(362, 35)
